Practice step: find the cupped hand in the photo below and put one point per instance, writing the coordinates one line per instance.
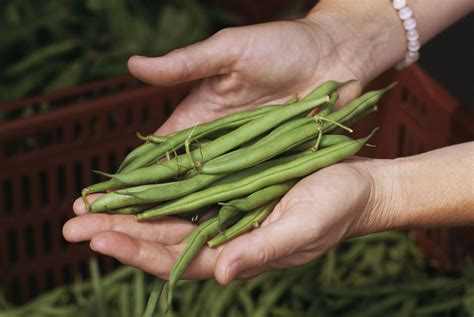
(237, 69)
(245, 67)
(319, 212)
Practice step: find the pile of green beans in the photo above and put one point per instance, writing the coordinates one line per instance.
(377, 275)
(244, 162)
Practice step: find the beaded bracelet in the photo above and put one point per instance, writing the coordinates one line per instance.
(409, 24)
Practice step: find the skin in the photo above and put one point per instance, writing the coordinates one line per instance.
(339, 40)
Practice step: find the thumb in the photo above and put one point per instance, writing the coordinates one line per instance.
(257, 248)
(213, 56)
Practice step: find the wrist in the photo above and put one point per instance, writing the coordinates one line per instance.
(367, 35)
(378, 212)
(433, 189)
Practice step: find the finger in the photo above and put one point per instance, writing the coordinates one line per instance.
(152, 257)
(165, 231)
(78, 205)
(268, 243)
(204, 59)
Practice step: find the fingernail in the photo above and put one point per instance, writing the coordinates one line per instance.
(232, 271)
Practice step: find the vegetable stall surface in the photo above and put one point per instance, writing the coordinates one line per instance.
(244, 161)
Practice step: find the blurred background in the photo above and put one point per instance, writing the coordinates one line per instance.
(67, 106)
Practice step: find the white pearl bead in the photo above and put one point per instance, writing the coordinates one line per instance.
(398, 4)
(412, 56)
(413, 35)
(405, 13)
(414, 45)
(409, 24)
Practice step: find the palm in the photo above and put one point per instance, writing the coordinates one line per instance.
(245, 67)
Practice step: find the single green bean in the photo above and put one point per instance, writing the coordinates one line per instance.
(251, 220)
(297, 168)
(326, 88)
(146, 194)
(98, 288)
(259, 198)
(138, 293)
(181, 164)
(137, 152)
(155, 294)
(198, 238)
(354, 108)
(132, 210)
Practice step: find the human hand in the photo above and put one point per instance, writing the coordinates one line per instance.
(245, 67)
(316, 214)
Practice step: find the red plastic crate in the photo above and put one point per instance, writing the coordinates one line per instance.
(47, 158)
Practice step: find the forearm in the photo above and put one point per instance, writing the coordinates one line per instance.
(369, 35)
(434, 189)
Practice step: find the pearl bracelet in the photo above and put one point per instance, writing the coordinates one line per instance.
(409, 24)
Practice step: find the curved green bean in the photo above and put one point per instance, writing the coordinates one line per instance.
(195, 242)
(299, 167)
(249, 221)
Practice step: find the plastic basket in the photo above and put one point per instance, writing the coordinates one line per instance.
(47, 158)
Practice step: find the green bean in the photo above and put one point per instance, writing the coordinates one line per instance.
(181, 164)
(382, 306)
(131, 210)
(114, 200)
(153, 138)
(262, 196)
(124, 301)
(356, 108)
(98, 288)
(267, 302)
(246, 301)
(251, 220)
(138, 293)
(155, 294)
(137, 152)
(146, 194)
(223, 298)
(326, 88)
(258, 198)
(196, 241)
(326, 141)
(259, 152)
(326, 109)
(239, 153)
(297, 168)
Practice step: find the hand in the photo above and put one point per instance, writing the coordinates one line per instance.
(319, 212)
(242, 68)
